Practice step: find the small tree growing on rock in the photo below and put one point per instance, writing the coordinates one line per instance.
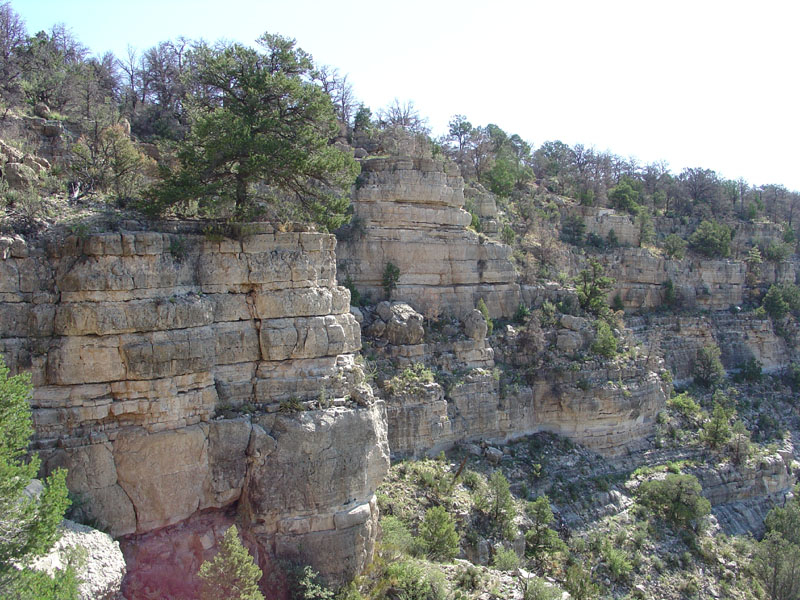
(438, 535)
(28, 522)
(391, 274)
(232, 573)
(592, 286)
(708, 369)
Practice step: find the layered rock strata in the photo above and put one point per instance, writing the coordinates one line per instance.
(137, 342)
(407, 211)
(740, 338)
(610, 408)
(641, 276)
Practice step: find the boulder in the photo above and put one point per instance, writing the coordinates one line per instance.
(19, 176)
(102, 568)
(475, 325)
(568, 341)
(574, 323)
(494, 455)
(404, 327)
(9, 153)
(38, 165)
(52, 129)
(41, 109)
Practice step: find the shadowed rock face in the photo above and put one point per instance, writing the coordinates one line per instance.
(408, 212)
(135, 341)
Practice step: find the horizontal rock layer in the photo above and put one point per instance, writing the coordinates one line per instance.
(408, 212)
(135, 341)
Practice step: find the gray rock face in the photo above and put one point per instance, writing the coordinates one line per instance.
(19, 176)
(102, 570)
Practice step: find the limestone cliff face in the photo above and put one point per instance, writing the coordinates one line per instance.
(143, 348)
(640, 278)
(740, 337)
(609, 407)
(408, 212)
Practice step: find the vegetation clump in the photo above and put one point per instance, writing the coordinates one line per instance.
(232, 573)
(28, 521)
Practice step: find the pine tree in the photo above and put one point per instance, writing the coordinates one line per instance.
(28, 521)
(232, 574)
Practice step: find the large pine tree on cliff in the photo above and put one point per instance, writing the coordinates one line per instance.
(258, 116)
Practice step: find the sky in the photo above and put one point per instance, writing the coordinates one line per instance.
(706, 83)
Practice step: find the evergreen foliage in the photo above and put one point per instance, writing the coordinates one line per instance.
(592, 286)
(712, 239)
(675, 246)
(540, 539)
(28, 522)
(438, 535)
(232, 574)
(391, 275)
(677, 498)
(604, 344)
(484, 310)
(717, 431)
(708, 369)
(258, 117)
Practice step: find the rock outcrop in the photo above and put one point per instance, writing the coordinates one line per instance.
(740, 338)
(407, 211)
(144, 347)
(641, 276)
(98, 560)
(611, 408)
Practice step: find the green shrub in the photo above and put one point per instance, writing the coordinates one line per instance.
(396, 538)
(685, 405)
(716, 431)
(485, 312)
(616, 302)
(625, 196)
(708, 369)
(438, 535)
(540, 539)
(793, 375)
(536, 589)
(678, 498)
(470, 578)
(409, 581)
(410, 380)
(712, 239)
(675, 246)
(670, 297)
(507, 235)
(750, 370)
(523, 312)
(778, 251)
(616, 560)
(232, 573)
(505, 559)
(28, 525)
(604, 344)
(782, 299)
(592, 285)
(572, 230)
(391, 274)
(579, 583)
(496, 502)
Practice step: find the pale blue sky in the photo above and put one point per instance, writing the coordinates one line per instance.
(700, 83)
